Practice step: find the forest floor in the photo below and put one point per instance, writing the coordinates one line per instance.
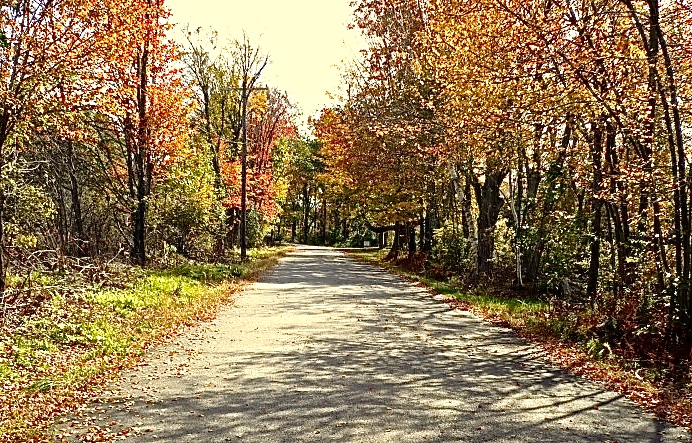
(327, 348)
(88, 326)
(537, 322)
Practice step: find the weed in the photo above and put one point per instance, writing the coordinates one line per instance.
(598, 349)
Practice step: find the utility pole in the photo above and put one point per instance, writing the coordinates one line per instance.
(243, 178)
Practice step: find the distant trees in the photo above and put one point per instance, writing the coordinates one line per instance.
(221, 76)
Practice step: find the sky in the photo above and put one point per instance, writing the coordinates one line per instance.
(306, 40)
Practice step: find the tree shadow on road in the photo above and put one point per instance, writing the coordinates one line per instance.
(362, 356)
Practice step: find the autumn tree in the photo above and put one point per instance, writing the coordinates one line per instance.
(215, 77)
(554, 130)
(49, 50)
(390, 152)
(228, 93)
(148, 106)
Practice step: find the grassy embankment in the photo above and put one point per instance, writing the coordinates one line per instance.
(55, 359)
(565, 337)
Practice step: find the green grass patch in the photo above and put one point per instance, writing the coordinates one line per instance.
(79, 337)
(205, 272)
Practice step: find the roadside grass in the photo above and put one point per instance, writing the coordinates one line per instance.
(563, 335)
(57, 358)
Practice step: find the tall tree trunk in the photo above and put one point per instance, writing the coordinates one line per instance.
(306, 213)
(596, 210)
(3, 262)
(139, 223)
(399, 231)
(4, 129)
(79, 235)
(324, 222)
(411, 234)
(463, 196)
(684, 291)
(532, 255)
(140, 160)
(618, 212)
(423, 223)
(489, 199)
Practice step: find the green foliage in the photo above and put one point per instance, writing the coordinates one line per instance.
(185, 213)
(3, 40)
(206, 272)
(29, 210)
(505, 256)
(156, 290)
(452, 250)
(563, 246)
(358, 239)
(297, 168)
(257, 228)
(598, 349)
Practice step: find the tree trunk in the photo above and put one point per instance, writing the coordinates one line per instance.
(423, 222)
(683, 291)
(138, 162)
(428, 227)
(306, 213)
(411, 234)
(618, 212)
(139, 237)
(463, 196)
(324, 222)
(79, 235)
(490, 202)
(596, 205)
(397, 243)
(3, 263)
(532, 255)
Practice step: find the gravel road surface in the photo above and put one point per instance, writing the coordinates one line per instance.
(325, 348)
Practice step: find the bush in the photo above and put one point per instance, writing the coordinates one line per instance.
(29, 214)
(562, 258)
(505, 253)
(256, 227)
(452, 250)
(185, 213)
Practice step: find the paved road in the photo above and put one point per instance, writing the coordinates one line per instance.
(328, 349)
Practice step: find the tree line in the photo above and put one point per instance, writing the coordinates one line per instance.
(539, 146)
(118, 143)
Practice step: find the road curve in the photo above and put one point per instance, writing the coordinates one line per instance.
(325, 348)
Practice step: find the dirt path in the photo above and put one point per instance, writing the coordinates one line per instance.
(328, 349)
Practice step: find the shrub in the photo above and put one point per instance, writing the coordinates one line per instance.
(452, 250)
